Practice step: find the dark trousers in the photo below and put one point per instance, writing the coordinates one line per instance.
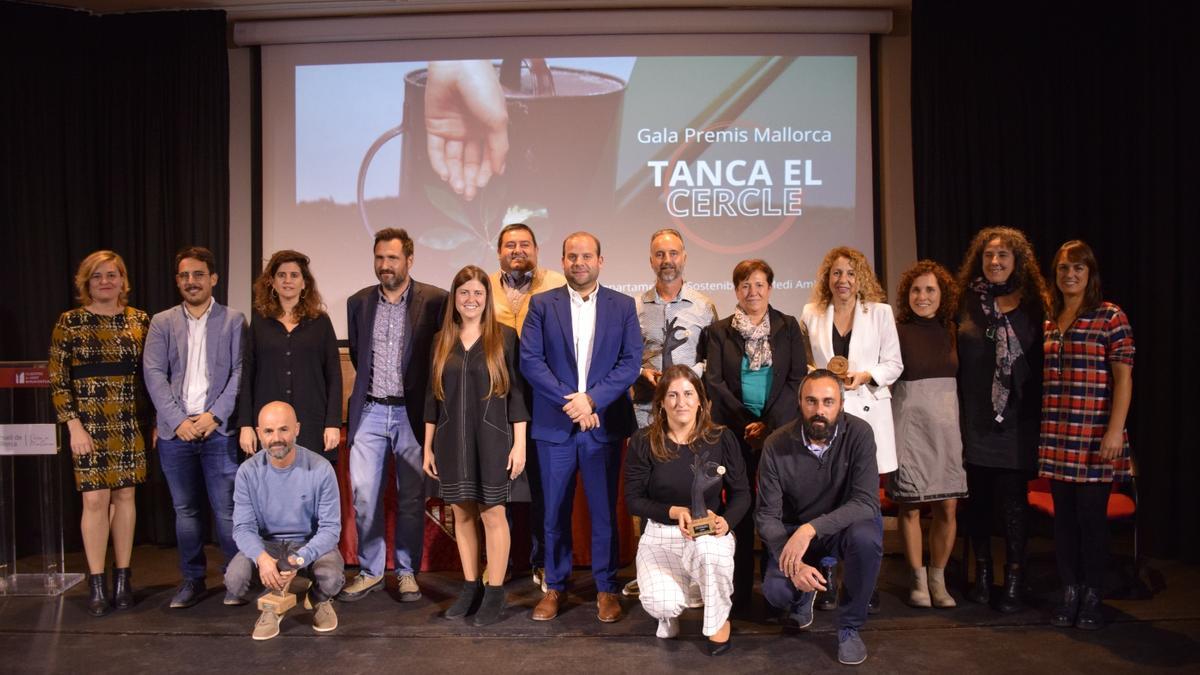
(743, 553)
(1081, 531)
(199, 471)
(1008, 488)
(599, 465)
(536, 510)
(859, 547)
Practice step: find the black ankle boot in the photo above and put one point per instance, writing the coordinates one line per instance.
(492, 606)
(1090, 615)
(98, 603)
(1067, 608)
(468, 600)
(981, 591)
(828, 599)
(122, 588)
(1011, 599)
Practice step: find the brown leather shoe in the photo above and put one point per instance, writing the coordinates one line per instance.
(608, 606)
(548, 608)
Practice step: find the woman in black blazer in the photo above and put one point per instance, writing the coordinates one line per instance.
(754, 361)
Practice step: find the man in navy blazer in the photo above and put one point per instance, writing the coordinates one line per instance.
(193, 364)
(581, 350)
(391, 328)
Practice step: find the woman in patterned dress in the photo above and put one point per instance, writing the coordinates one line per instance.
(96, 385)
(1087, 386)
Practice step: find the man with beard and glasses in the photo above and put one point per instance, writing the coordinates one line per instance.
(285, 503)
(817, 496)
(193, 365)
(672, 316)
(580, 352)
(391, 327)
(519, 279)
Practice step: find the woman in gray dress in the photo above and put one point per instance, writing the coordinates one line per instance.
(928, 440)
(475, 417)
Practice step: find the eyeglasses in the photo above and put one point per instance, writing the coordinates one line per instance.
(198, 276)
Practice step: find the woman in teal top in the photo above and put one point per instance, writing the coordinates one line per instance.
(754, 361)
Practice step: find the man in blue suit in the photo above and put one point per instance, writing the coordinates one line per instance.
(581, 349)
(193, 364)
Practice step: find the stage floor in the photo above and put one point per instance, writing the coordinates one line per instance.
(379, 634)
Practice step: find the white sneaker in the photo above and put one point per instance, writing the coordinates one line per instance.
(667, 628)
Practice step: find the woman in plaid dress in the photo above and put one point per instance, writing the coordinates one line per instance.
(96, 386)
(1087, 387)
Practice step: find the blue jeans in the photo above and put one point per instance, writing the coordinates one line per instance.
(860, 548)
(385, 430)
(599, 465)
(193, 468)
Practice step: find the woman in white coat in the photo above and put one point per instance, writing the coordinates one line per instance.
(850, 317)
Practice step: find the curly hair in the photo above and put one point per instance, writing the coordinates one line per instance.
(266, 302)
(1034, 293)
(945, 282)
(88, 267)
(869, 289)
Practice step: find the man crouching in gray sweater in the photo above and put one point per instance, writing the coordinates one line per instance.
(286, 518)
(818, 496)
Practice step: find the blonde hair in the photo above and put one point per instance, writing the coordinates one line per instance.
(88, 267)
(869, 289)
(493, 338)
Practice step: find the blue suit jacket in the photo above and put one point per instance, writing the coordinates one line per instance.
(549, 366)
(164, 362)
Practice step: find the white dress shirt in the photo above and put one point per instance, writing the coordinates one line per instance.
(583, 330)
(195, 374)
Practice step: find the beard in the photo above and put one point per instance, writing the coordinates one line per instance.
(668, 273)
(390, 282)
(279, 450)
(518, 264)
(817, 428)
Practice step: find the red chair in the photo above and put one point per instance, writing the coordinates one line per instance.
(1121, 506)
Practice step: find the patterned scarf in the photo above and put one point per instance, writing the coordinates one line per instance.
(758, 348)
(1000, 331)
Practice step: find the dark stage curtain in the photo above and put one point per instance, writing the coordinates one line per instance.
(115, 135)
(1068, 120)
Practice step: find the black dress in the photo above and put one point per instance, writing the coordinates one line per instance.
(474, 429)
(1011, 444)
(301, 368)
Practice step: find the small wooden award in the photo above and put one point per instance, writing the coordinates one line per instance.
(281, 601)
(704, 475)
(839, 366)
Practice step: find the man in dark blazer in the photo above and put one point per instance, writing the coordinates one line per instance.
(581, 349)
(391, 328)
(192, 365)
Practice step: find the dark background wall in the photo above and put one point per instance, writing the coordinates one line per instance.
(1067, 120)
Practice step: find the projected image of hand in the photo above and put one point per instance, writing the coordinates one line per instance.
(466, 123)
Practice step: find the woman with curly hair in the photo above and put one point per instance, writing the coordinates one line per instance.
(1087, 389)
(1004, 303)
(928, 439)
(849, 317)
(291, 355)
(97, 390)
(849, 320)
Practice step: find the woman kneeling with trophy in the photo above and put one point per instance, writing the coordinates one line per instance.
(675, 473)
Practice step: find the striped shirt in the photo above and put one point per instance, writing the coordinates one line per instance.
(1077, 391)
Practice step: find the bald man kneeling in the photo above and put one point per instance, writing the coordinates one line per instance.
(278, 495)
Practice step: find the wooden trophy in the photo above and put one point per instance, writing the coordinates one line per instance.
(281, 601)
(705, 474)
(839, 366)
